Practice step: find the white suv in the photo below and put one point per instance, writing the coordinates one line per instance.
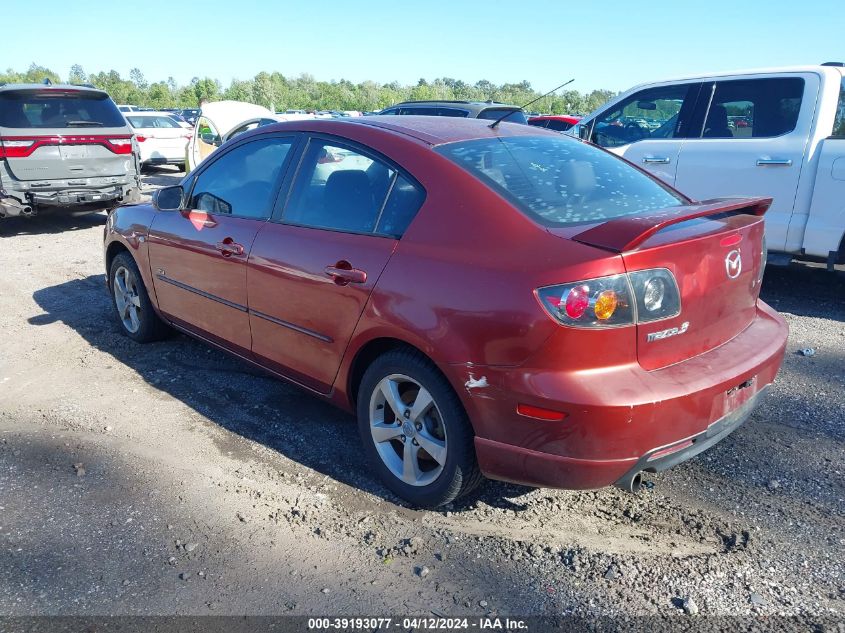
(775, 132)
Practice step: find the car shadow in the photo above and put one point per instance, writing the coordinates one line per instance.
(237, 396)
(47, 223)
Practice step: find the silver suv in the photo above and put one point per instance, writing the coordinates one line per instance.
(64, 146)
(491, 110)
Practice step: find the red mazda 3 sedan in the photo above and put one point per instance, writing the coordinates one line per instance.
(495, 300)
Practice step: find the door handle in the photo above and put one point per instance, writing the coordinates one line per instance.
(230, 247)
(343, 274)
(765, 162)
(656, 160)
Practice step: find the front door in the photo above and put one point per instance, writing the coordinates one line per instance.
(752, 143)
(206, 139)
(648, 127)
(198, 255)
(311, 274)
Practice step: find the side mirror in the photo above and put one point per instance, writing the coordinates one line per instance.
(584, 131)
(168, 198)
(210, 139)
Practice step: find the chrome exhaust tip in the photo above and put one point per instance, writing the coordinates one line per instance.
(631, 483)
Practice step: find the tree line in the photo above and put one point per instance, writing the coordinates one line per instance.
(278, 92)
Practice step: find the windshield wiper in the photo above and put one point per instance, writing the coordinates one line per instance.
(83, 124)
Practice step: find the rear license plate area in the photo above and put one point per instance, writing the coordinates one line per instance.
(74, 152)
(739, 394)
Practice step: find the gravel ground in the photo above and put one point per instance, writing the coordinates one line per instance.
(171, 479)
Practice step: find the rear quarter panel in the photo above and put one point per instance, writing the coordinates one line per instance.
(460, 286)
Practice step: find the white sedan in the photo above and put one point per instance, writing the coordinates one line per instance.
(160, 138)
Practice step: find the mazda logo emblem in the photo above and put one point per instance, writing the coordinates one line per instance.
(733, 264)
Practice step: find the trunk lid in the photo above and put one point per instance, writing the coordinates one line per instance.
(714, 251)
(70, 155)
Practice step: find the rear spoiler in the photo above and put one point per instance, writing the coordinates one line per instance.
(627, 233)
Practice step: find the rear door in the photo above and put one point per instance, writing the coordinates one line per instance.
(752, 142)
(648, 127)
(198, 255)
(312, 272)
(63, 134)
(825, 223)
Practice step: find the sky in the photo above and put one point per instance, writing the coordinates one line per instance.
(612, 45)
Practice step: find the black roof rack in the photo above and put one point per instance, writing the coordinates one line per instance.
(837, 64)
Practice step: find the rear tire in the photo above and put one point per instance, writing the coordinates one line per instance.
(131, 302)
(415, 430)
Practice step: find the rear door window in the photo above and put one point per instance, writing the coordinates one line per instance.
(753, 108)
(58, 109)
(649, 114)
(515, 116)
(342, 189)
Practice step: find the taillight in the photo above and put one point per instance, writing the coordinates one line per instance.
(16, 149)
(602, 302)
(23, 146)
(119, 145)
(638, 297)
(140, 138)
(657, 294)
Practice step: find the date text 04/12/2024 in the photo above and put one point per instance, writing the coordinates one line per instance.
(417, 623)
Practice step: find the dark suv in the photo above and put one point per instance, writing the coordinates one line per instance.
(466, 109)
(64, 146)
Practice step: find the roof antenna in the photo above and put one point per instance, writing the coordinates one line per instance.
(47, 81)
(495, 123)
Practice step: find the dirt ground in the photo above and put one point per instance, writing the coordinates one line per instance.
(171, 479)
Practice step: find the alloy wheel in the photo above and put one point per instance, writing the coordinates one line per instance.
(127, 299)
(407, 429)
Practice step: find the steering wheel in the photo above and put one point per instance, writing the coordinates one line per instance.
(634, 131)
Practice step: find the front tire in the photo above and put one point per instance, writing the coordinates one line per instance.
(131, 302)
(415, 430)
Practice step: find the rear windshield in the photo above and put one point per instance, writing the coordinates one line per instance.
(58, 109)
(151, 121)
(515, 116)
(560, 181)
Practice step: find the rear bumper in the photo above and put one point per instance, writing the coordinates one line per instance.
(663, 458)
(25, 203)
(79, 197)
(621, 420)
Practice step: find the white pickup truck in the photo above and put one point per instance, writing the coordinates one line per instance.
(773, 132)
